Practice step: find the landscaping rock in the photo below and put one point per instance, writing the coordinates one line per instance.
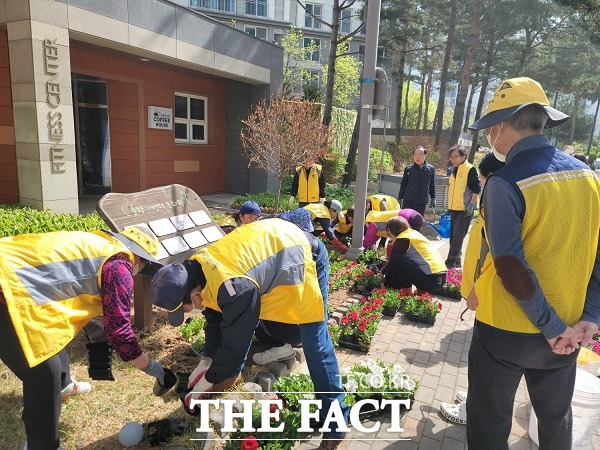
(300, 355)
(251, 387)
(290, 363)
(279, 369)
(337, 316)
(5, 374)
(217, 416)
(266, 380)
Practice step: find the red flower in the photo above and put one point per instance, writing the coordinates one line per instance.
(382, 291)
(368, 272)
(354, 315)
(362, 327)
(277, 406)
(363, 299)
(249, 443)
(345, 320)
(440, 305)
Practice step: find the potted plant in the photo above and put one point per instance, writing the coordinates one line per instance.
(422, 309)
(359, 324)
(451, 288)
(373, 379)
(392, 301)
(366, 281)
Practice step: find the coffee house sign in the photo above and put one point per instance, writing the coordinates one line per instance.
(55, 127)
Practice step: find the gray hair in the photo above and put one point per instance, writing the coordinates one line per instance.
(459, 148)
(531, 118)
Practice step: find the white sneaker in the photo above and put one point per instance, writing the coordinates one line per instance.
(454, 413)
(273, 354)
(75, 388)
(461, 396)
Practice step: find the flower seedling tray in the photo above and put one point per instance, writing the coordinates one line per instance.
(358, 291)
(352, 344)
(430, 320)
(389, 311)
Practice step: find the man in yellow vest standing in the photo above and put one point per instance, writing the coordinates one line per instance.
(267, 270)
(308, 184)
(462, 200)
(52, 285)
(539, 289)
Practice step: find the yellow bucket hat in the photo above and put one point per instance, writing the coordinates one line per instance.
(140, 241)
(513, 95)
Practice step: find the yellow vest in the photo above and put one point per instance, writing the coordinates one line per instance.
(390, 202)
(276, 256)
(473, 262)
(51, 283)
(308, 183)
(548, 243)
(380, 219)
(459, 193)
(343, 226)
(422, 252)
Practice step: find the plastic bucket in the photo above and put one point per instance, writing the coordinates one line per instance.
(586, 411)
(444, 227)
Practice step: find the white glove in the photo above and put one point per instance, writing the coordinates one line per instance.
(291, 201)
(322, 200)
(200, 390)
(199, 371)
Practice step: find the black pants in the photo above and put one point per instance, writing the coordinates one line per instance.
(276, 334)
(459, 226)
(497, 362)
(42, 387)
(402, 272)
(419, 207)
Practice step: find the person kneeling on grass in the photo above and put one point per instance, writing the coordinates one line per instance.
(261, 271)
(413, 260)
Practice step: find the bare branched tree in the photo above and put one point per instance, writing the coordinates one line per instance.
(281, 134)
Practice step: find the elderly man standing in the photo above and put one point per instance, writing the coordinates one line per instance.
(418, 183)
(539, 290)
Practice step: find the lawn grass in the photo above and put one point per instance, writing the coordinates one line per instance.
(93, 421)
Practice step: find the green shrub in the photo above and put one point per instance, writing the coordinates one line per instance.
(16, 220)
(343, 194)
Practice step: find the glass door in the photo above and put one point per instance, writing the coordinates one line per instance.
(92, 135)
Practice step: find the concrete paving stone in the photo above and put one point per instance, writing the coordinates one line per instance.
(455, 346)
(448, 381)
(519, 426)
(428, 443)
(434, 370)
(413, 428)
(522, 410)
(452, 444)
(449, 369)
(436, 426)
(429, 381)
(307, 445)
(444, 394)
(416, 370)
(436, 358)
(425, 394)
(359, 445)
(421, 357)
(405, 445)
(453, 357)
(458, 432)
(520, 443)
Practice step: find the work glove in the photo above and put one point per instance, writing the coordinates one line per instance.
(469, 210)
(322, 200)
(200, 390)
(156, 370)
(291, 202)
(432, 203)
(199, 371)
(169, 381)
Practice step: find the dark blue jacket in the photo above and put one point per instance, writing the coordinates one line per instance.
(417, 182)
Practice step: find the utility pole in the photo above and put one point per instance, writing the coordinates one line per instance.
(367, 98)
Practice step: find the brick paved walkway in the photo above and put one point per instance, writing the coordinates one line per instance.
(437, 355)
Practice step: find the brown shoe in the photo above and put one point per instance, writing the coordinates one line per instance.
(333, 444)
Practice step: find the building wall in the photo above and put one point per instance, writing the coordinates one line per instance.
(141, 157)
(9, 190)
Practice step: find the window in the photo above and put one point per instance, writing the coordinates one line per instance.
(345, 20)
(190, 118)
(316, 55)
(217, 5)
(259, 32)
(309, 20)
(313, 77)
(256, 7)
(277, 38)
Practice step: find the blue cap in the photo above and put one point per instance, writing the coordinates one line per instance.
(250, 207)
(169, 289)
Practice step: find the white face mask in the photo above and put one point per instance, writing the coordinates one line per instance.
(136, 269)
(499, 156)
